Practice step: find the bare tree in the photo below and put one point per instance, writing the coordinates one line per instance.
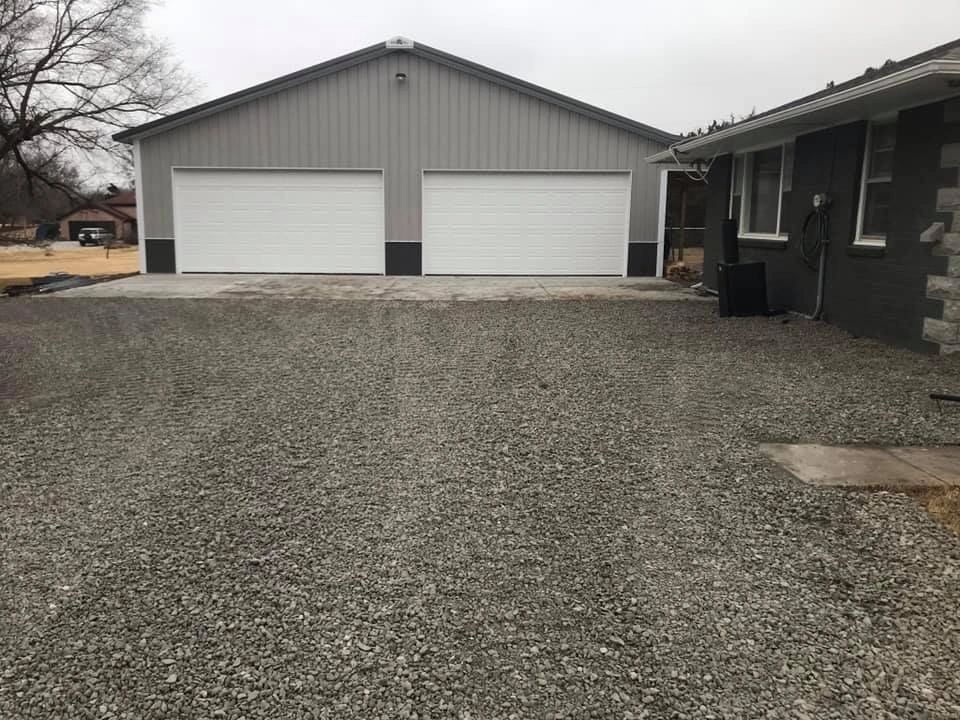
(17, 202)
(72, 72)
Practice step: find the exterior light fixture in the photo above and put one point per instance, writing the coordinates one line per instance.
(401, 77)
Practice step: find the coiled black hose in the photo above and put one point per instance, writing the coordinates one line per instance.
(814, 239)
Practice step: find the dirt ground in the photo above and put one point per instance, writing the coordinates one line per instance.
(693, 257)
(22, 264)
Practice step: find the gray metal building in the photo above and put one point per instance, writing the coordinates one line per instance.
(401, 159)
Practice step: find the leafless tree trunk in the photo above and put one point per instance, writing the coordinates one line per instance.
(72, 72)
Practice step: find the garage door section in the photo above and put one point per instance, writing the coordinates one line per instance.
(525, 223)
(279, 221)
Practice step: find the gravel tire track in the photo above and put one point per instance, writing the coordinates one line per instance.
(299, 509)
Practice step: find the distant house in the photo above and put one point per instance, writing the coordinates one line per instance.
(884, 148)
(118, 214)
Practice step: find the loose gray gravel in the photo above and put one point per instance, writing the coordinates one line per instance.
(284, 509)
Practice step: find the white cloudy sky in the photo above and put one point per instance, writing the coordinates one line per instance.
(674, 64)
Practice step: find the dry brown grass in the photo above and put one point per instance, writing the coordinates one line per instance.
(943, 504)
(18, 266)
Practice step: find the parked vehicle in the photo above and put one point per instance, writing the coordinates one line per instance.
(94, 236)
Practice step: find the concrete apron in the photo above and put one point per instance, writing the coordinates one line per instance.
(869, 467)
(365, 287)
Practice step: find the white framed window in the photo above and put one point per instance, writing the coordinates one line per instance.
(873, 216)
(759, 191)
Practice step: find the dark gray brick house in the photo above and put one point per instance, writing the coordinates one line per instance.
(885, 148)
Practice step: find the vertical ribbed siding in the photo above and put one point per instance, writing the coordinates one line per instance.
(362, 117)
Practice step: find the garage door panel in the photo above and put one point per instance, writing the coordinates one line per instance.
(523, 223)
(309, 221)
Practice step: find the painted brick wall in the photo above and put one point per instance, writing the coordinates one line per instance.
(718, 209)
(869, 292)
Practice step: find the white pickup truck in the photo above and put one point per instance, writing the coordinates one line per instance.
(94, 236)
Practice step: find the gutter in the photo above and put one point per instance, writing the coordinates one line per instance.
(931, 68)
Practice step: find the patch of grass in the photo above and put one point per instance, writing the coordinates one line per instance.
(35, 262)
(944, 505)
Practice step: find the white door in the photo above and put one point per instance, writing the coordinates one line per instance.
(278, 221)
(525, 223)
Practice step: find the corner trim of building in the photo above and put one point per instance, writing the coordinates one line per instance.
(138, 194)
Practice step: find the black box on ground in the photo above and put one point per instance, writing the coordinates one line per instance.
(742, 288)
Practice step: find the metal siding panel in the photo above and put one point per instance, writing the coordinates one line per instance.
(476, 119)
(407, 150)
(543, 134)
(357, 118)
(427, 107)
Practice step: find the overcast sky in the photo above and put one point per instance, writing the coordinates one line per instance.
(674, 64)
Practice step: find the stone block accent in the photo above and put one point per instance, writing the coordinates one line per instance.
(941, 331)
(951, 310)
(949, 244)
(944, 331)
(932, 234)
(950, 155)
(948, 199)
(940, 287)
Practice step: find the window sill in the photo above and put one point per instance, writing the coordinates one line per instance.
(772, 242)
(864, 250)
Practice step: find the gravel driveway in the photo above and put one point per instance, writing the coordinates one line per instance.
(286, 509)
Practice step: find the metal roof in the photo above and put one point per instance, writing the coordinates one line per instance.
(379, 50)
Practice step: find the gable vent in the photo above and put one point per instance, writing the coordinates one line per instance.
(400, 42)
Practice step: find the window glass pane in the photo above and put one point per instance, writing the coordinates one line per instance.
(735, 210)
(764, 190)
(876, 209)
(787, 169)
(884, 135)
(881, 164)
(738, 175)
(882, 138)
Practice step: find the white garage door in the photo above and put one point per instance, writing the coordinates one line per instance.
(525, 223)
(279, 221)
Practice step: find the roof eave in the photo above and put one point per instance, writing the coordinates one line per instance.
(705, 143)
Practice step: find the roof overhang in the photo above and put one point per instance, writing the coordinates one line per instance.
(917, 85)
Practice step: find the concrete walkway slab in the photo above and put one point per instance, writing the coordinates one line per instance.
(941, 462)
(365, 287)
(867, 467)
